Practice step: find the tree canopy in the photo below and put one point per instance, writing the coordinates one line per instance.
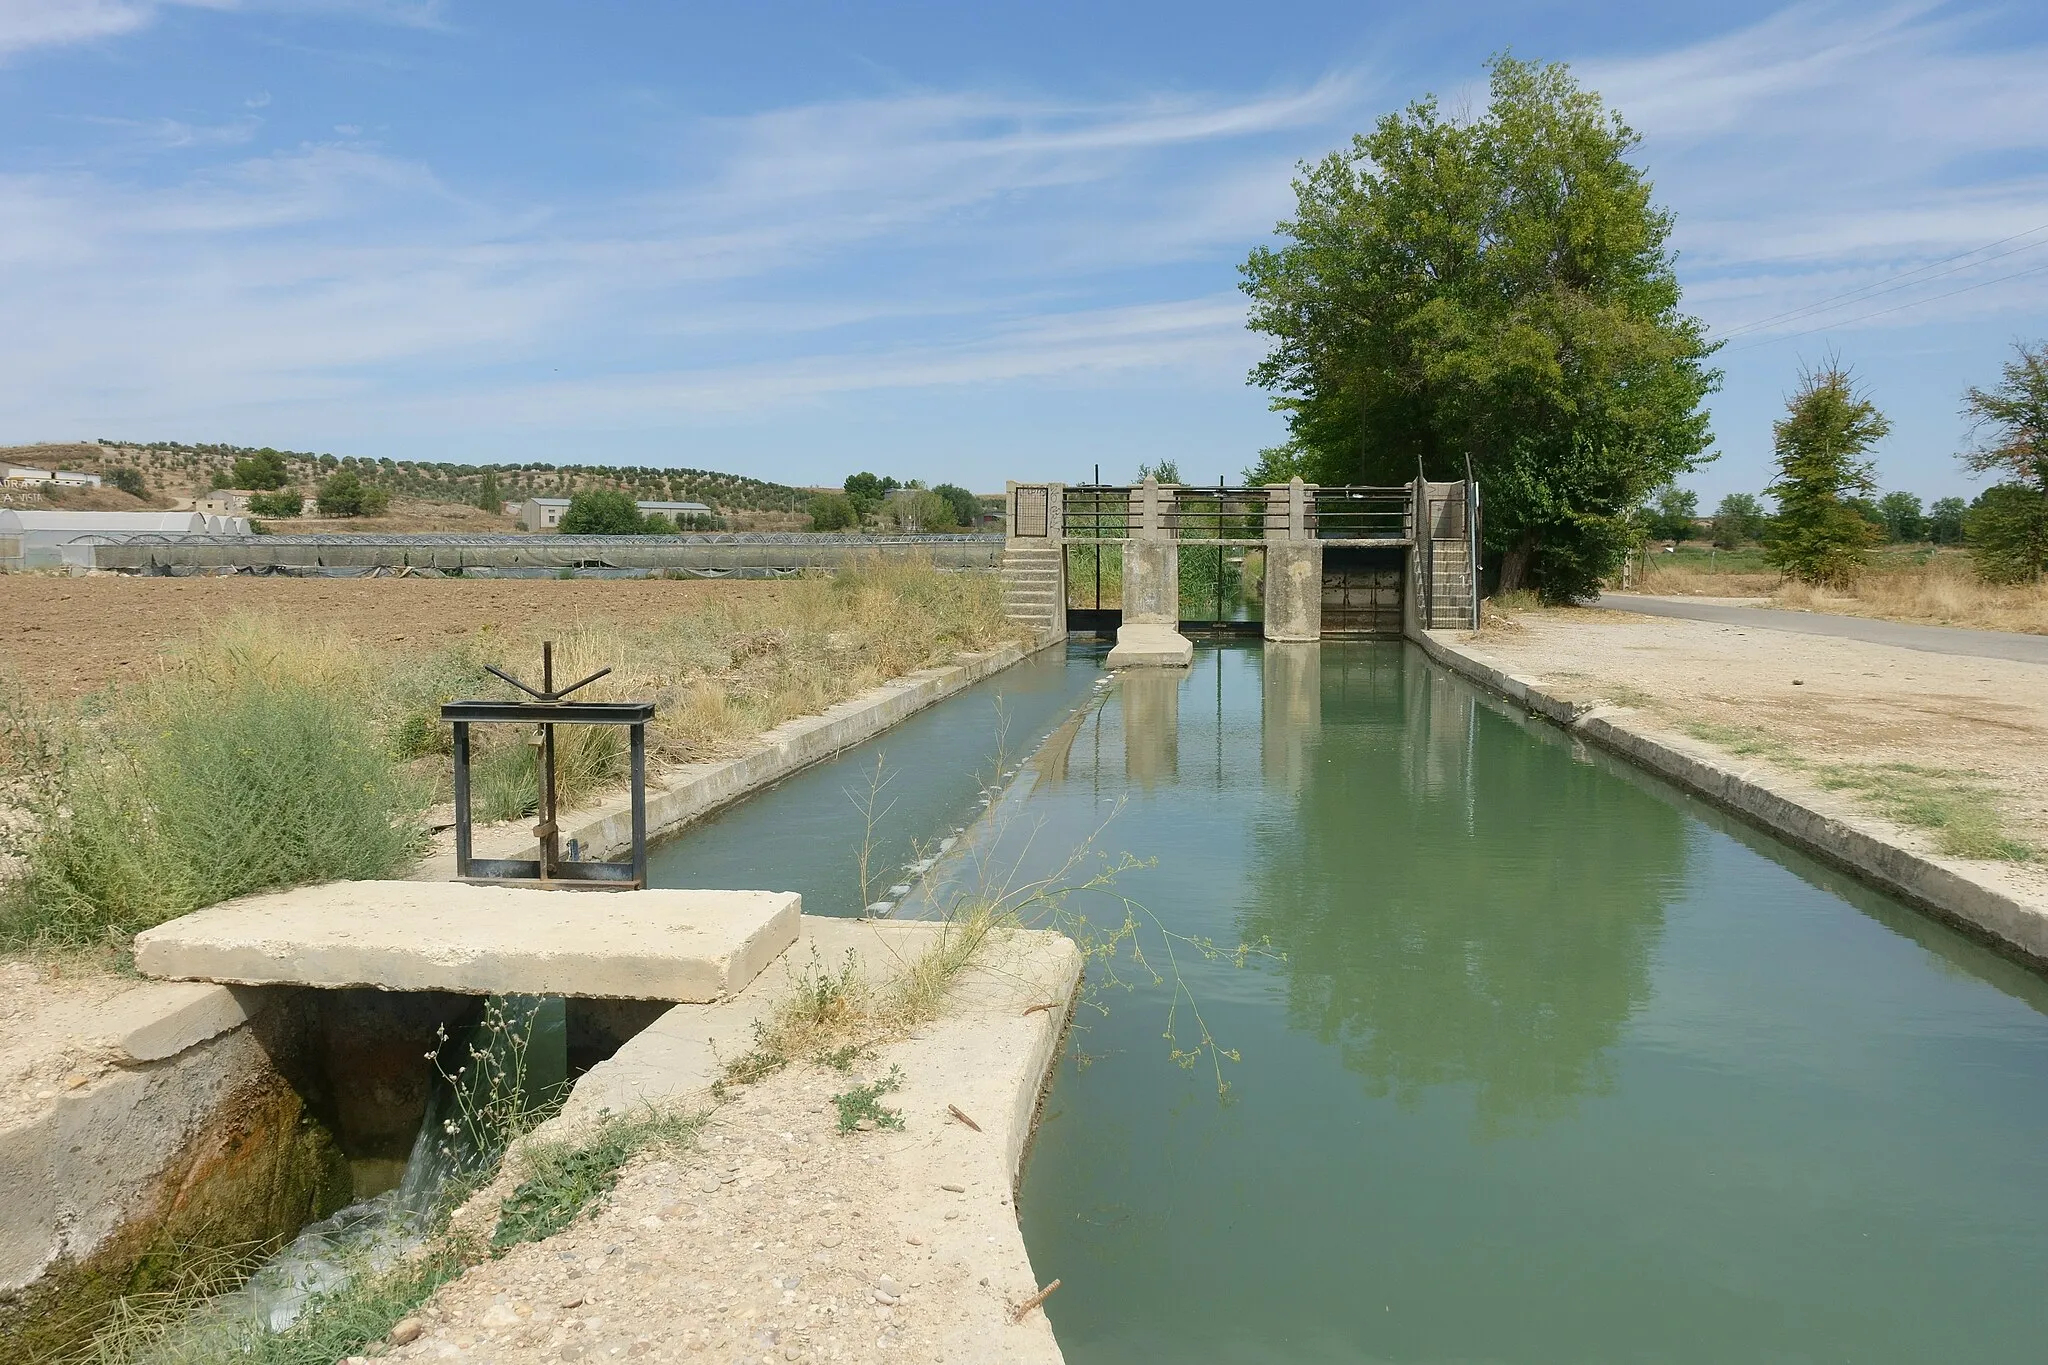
(1498, 288)
(1820, 531)
(601, 512)
(2008, 526)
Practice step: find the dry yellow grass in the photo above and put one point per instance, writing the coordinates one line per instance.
(1940, 590)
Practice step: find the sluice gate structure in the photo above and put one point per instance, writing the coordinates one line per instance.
(1292, 561)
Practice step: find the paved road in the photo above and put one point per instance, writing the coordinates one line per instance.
(1985, 644)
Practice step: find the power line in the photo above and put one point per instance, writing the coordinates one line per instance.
(1872, 290)
(1898, 307)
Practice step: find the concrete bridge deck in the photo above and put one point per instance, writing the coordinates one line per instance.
(684, 946)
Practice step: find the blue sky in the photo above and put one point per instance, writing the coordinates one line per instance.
(944, 241)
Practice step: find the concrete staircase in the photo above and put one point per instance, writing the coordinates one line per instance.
(1450, 586)
(1034, 586)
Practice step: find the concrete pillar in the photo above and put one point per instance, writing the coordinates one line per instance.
(1150, 634)
(1294, 569)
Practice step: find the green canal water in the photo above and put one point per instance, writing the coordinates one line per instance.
(1548, 1064)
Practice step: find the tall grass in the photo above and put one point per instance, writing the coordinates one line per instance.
(267, 754)
(249, 762)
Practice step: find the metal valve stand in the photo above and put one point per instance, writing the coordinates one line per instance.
(548, 709)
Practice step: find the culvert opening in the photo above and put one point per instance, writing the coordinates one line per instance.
(419, 1092)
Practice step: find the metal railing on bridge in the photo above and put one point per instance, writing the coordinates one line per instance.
(1237, 514)
(1362, 513)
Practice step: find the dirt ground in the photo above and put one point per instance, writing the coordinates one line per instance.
(1829, 700)
(63, 637)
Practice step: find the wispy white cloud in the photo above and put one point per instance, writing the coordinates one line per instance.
(1831, 147)
(29, 24)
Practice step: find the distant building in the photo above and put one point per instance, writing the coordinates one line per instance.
(63, 478)
(542, 514)
(224, 502)
(545, 514)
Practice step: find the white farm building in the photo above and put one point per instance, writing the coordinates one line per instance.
(54, 540)
(545, 514)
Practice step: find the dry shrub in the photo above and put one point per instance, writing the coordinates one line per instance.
(1942, 591)
(1687, 580)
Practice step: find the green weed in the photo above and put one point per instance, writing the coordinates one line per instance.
(563, 1179)
(224, 783)
(865, 1102)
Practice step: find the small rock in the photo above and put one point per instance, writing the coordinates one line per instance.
(952, 1213)
(573, 1350)
(650, 1222)
(406, 1331)
(572, 1301)
(74, 1082)
(888, 1285)
(915, 1241)
(709, 1184)
(1798, 682)
(830, 1239)
(956, 1189)
(500, 1315)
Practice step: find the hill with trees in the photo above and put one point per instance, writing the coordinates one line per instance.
(180, 469)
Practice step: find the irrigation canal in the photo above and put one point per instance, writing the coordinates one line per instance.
(1548, 1063)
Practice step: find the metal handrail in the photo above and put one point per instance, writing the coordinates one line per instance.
(1097, 512)
(1361, 513)
(1220, 513)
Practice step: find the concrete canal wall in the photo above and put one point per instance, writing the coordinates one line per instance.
(1973, 896)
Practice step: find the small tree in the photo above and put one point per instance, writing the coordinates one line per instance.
(866, 491)
(263, 470)
(1738, 520)
(832, 512)
(601, 512)
(1674, 512)
(1903, 520)
(2008, 534)
(282, 504)
(917, 512)
(344, 494)
(1819, 536)
(488, 495)
(128, 479)
(2008, 524)
(966, 507)
(1945, 521)
(1166, 471)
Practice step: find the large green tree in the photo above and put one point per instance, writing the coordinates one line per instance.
(1820, 532)
(2009, 436)
(1497, 288)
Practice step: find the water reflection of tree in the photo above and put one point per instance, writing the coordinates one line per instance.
(1460, 903)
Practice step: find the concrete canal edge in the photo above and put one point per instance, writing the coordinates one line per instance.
(697, 789)
(939, 1196)
(177, 1110)
(1972, 896)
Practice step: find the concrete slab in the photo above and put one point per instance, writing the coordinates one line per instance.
(1150, 646)
(694, 946)
(164, 1018)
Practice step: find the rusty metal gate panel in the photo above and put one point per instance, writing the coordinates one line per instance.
(1032, 514)
(1362, 596)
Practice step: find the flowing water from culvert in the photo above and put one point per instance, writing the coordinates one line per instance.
(1550, 1063)
(512, 1058)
